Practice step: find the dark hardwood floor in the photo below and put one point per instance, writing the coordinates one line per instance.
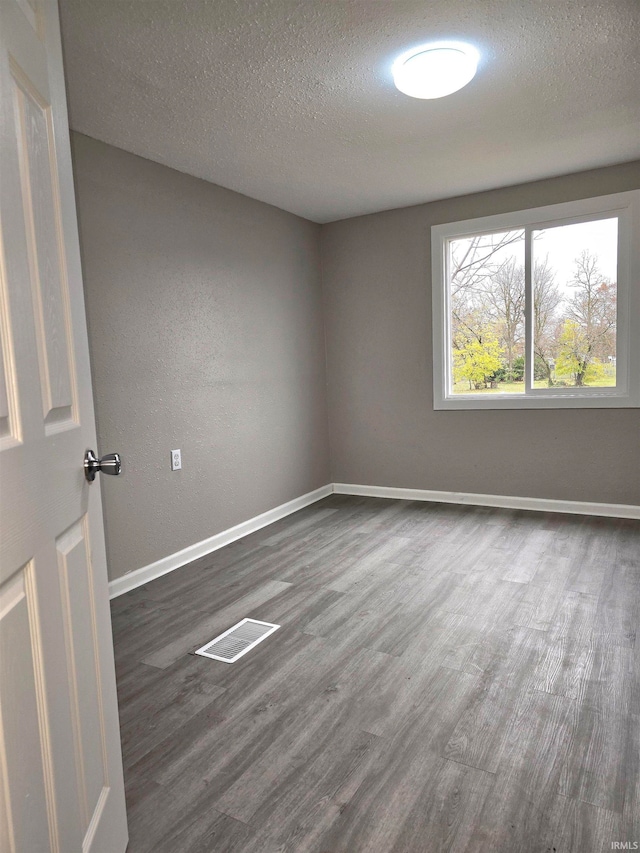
(446, 678)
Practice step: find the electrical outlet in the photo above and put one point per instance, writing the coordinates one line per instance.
(176, 460)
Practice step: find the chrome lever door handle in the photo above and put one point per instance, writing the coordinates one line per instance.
(109, 464)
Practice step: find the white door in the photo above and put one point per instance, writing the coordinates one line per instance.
(61, 786)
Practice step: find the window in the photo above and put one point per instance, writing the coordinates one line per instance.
(539, 308)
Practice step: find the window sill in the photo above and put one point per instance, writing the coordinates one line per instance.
(559, 400)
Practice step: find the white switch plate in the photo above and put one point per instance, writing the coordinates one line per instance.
(176, 460)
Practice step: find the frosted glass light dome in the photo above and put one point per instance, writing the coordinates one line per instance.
(435, 70)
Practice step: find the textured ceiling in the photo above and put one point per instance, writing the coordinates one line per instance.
(291, 101)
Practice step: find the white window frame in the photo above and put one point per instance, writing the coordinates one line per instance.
(626, 206)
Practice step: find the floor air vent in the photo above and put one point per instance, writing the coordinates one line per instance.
(237, 641)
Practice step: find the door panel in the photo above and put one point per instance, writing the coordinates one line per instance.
(25, 824)
(31, 12)
(9, 418)
(5, 425)
(43, 228)
(83, 660)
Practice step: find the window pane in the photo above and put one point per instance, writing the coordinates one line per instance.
(575, 291)
(486, 298)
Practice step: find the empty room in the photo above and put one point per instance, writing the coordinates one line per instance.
(319, 426)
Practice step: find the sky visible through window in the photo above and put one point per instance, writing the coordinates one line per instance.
(565, 243)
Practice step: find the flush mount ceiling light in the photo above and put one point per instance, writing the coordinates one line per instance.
(435, 70)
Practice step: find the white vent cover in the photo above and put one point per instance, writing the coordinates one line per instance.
(237, 641)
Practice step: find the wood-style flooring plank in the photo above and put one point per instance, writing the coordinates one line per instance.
(581, 826)
(631, 809)
(534, 549)
(618, 610)
(404, 771)
(597, 551)
(564, 667)
(536, 747)
(540, 602)
(161, 822)
(602, 766)
(612, 687)
(514, 820)
(575, 617)
(505, 666)
(154, 704)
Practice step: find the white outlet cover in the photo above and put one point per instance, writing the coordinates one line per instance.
(176, 460)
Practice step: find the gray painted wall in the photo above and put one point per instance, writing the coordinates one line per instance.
(383, 429)
(205, 324)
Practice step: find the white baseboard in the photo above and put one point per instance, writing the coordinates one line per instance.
(506, 502)
(173, 561)
(193, 552)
